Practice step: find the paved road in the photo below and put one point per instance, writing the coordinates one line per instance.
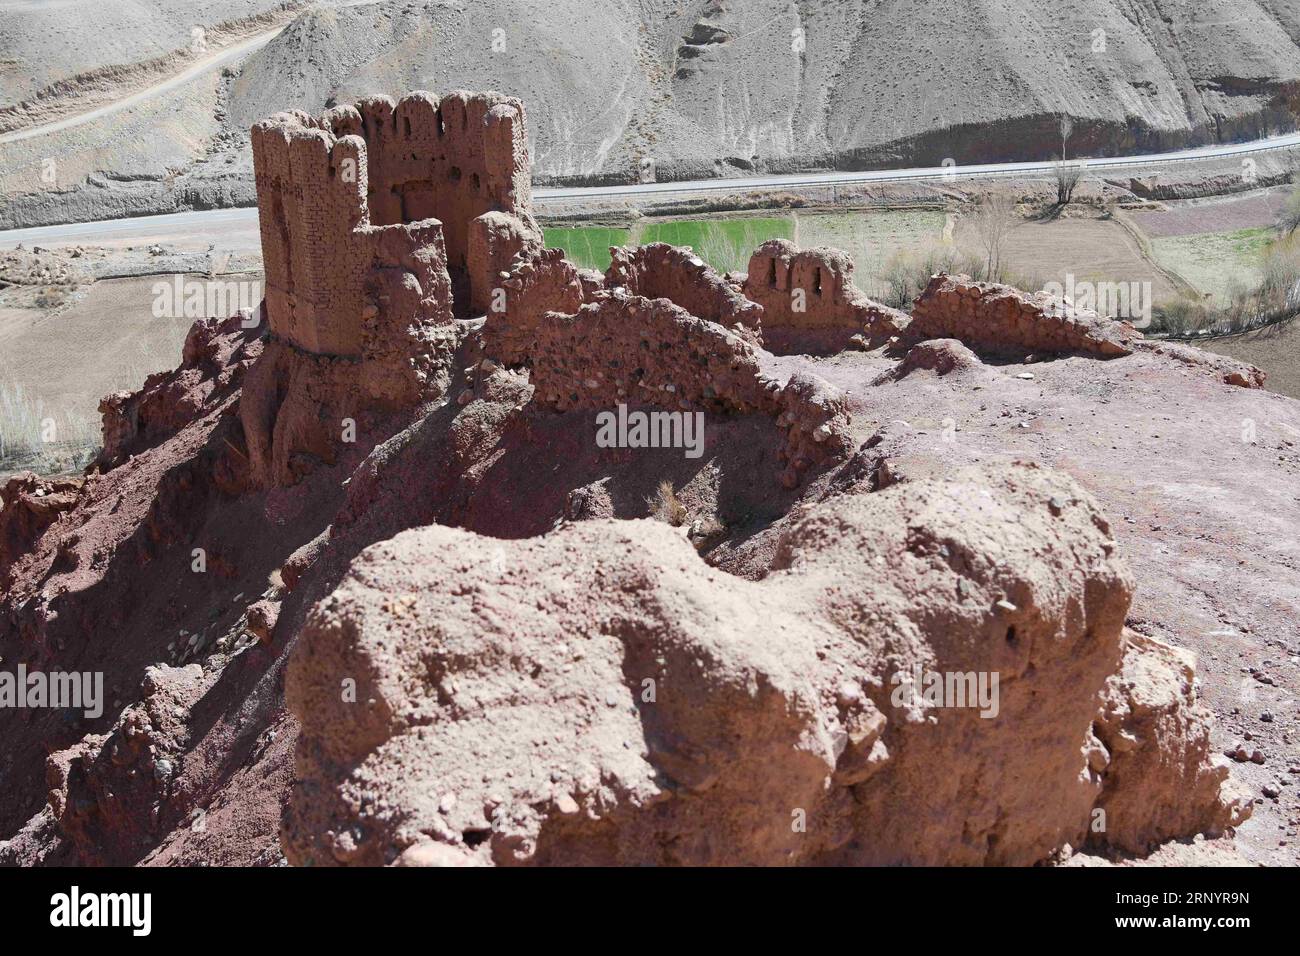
(236, 227)
(928, 173)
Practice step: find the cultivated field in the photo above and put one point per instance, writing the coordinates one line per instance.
(1215, 262)
(56, 364)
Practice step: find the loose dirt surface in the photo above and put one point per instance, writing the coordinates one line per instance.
(1276, 347)
(1180, 521)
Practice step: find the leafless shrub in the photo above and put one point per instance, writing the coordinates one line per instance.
(666, 506)
(1067, 180)
(995, 216)
(906, 274)
(1289, 219)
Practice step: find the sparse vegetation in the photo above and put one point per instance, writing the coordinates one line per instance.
(1289, 219)
(994, 217)
(51, 297)
(35, 438)
(666, 506)
(1276, 296)
(907, 274)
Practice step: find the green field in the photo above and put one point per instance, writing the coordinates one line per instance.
(725, 244)
(587, 246)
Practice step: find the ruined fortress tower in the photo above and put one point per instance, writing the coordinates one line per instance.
(381, 223)
(342, 194)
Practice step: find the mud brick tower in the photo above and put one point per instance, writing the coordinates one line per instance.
(381, 223)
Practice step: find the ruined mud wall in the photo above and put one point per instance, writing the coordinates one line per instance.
(329, 189)
(1000, 319)
(617, 348)
(495, 240)
(676, 273)
(360, 312)
(810, 303)
(321, 254)
(453, 160)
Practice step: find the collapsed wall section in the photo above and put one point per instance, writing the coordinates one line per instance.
(1000, 319)
(676, 273)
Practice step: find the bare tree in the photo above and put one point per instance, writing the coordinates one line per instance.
(1289, 219)
(1067, 179)
(995, 216)
(1067, 127)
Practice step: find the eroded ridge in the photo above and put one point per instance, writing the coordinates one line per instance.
(644, 709)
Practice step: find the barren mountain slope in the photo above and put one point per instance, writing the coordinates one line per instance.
(679, 90)
(580, 59)
(772, 84)
(52, 42)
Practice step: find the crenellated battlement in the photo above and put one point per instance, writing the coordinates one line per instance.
(325, 184)
(381, 223)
